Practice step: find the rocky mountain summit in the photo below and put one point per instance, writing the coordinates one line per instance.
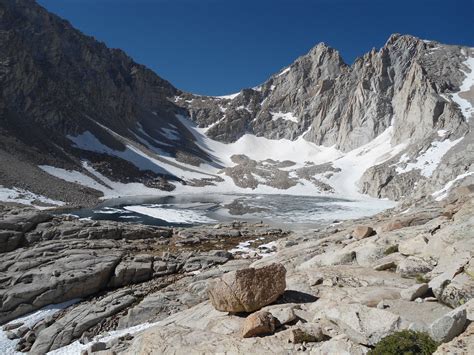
(397, 122)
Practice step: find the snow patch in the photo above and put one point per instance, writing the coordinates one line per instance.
(354, 163)
(87, 141)
(466, 107)
(7, 346)
(109, 188)
(442, 133)
(26, 197)
(443, 193)
(289, 116)
(228, 97)
(171, 134)
(283, 72)
(428, 161)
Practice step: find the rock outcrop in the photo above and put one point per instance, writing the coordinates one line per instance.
(348, 306)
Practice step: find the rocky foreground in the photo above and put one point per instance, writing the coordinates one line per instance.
(339, 289)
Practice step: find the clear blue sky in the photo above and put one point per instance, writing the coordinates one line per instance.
(217, 47)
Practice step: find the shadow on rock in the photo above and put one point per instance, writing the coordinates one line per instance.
(292, 296)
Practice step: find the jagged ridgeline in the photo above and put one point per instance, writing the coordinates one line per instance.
(79, 120)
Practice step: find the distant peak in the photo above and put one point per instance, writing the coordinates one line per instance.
(397, 37)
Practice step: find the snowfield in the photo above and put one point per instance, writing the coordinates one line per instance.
(428, 161)
(467, 85)
(352, 164)
(289, 116)
(17, 195)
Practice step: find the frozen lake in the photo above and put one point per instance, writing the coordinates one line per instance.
(193, 209)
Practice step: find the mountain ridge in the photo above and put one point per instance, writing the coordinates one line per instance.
(70, 103)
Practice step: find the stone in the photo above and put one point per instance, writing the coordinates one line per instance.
(258, 324)
(299, 336)
(393, 225)
(413, 246)
(284, 314)
(247, 290)
(462, 344)
(11, 326)
(449, 326)
(459, 291)
(12, 335)
(414, 291)
(338, 257)
(413, 266)
(361, 232)
(99, 346)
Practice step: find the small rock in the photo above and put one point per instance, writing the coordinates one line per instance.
(22, 331)
(259, 323)
(11, 335)
(361, 232)
(300, 336)
(284, 315)
(385, 265)
(414, 292)
(99, 346)
(11, 326)
(393, 225)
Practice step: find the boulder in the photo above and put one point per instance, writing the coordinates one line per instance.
(259, 323)
(413, 266)
(463, 344)
(449, 326)
(361, 232)
(330, 258)
(413, 246)
(413, 292)
(459, 291)
(248, 290)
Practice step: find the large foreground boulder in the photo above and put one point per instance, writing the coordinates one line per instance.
(248, 290)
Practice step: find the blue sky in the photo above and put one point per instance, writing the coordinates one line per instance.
(217, 47)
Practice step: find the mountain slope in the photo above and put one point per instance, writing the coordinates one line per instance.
(79, 120)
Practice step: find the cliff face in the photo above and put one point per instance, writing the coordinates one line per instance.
(332, 103)
(69, 102)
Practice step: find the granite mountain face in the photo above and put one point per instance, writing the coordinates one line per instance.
(79, 120)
